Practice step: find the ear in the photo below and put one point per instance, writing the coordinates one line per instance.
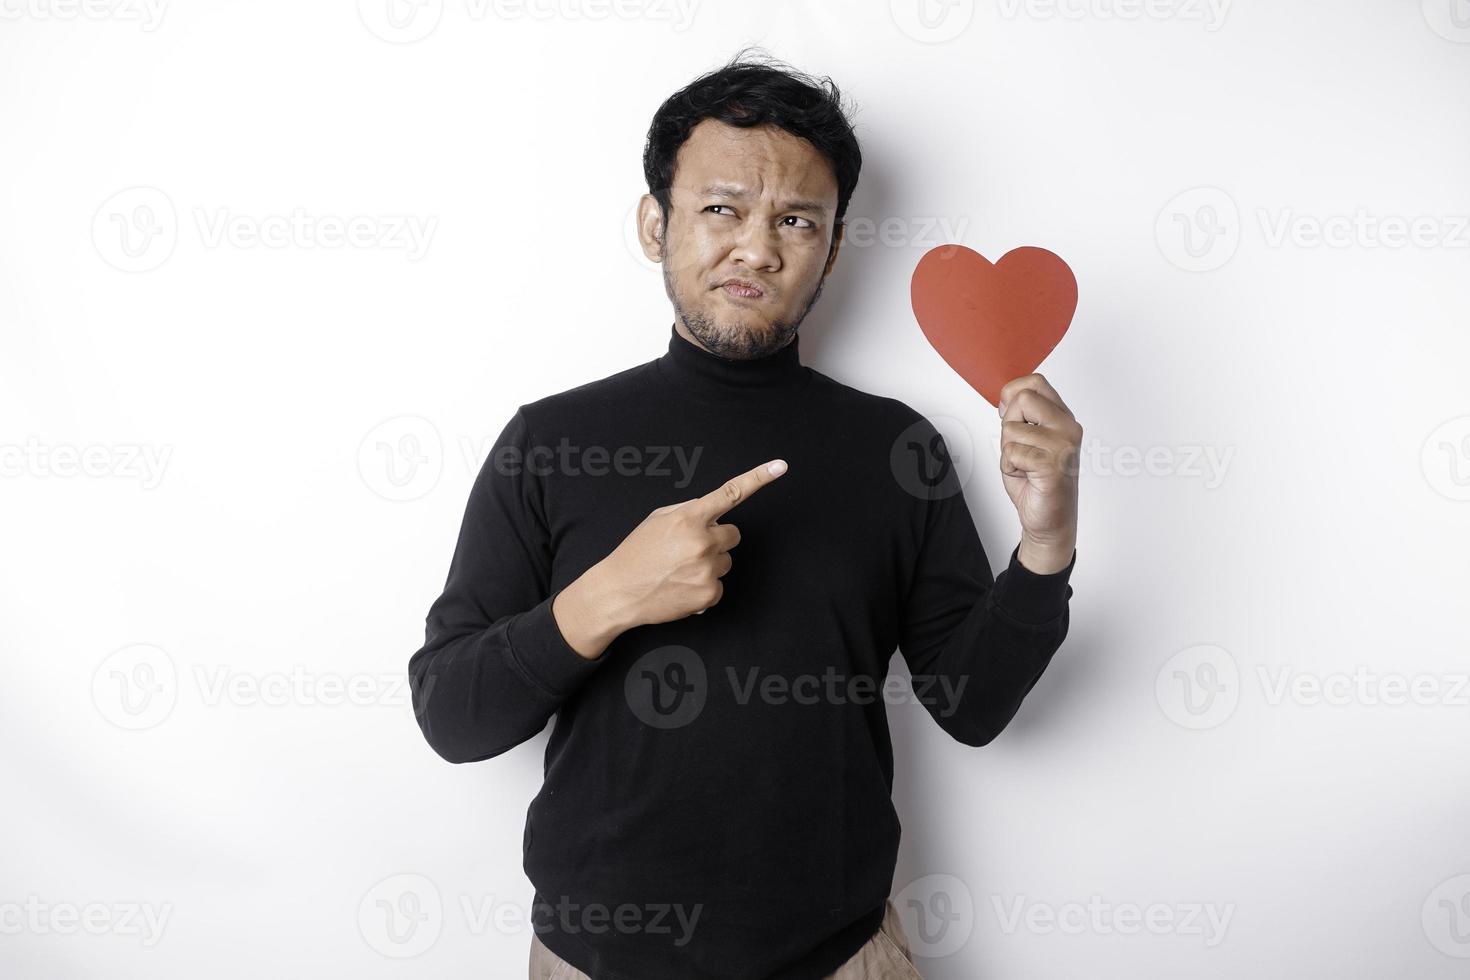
(650, 227)
(832, 254)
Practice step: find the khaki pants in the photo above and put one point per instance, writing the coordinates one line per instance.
(884, 957)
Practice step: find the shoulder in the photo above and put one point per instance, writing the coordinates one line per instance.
(873, 410)
(597, 398)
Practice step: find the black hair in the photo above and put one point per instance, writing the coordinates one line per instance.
(754, 91)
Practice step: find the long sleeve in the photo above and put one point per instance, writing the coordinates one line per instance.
(495, 666)
(994, 635)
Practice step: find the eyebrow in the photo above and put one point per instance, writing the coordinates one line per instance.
(739, 193)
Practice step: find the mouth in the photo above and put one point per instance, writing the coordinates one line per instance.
(742, 289)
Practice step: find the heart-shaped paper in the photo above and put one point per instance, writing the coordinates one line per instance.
(992, 322)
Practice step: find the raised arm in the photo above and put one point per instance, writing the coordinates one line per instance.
(976, 644)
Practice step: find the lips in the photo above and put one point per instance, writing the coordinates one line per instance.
(743, 288)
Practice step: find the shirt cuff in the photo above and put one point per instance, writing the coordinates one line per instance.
(1030, 597)
(537, 643)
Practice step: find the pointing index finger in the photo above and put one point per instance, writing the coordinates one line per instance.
(723, 498)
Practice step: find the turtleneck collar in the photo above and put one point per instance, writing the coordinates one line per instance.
(693, 367)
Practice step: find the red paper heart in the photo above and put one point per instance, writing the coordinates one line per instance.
(993, 322)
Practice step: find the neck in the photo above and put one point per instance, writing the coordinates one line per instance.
(701, 371)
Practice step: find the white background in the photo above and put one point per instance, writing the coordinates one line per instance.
(203, 531)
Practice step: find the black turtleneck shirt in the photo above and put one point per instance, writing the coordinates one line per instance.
(717, 802)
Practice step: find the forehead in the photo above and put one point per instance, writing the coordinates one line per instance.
(766, 160)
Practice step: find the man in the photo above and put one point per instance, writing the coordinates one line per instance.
(717, 796)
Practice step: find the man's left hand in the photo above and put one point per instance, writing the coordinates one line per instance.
(1040, 449)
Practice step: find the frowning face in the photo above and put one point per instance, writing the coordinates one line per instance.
(749, 239)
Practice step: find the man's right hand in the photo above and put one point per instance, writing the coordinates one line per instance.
(667, 568)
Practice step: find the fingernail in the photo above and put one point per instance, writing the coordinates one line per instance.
(1002, 409)
(777, 468)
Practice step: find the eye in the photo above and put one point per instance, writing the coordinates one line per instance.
(793, 217)
(716, 206)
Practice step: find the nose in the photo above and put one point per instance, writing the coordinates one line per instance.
(757, 246)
